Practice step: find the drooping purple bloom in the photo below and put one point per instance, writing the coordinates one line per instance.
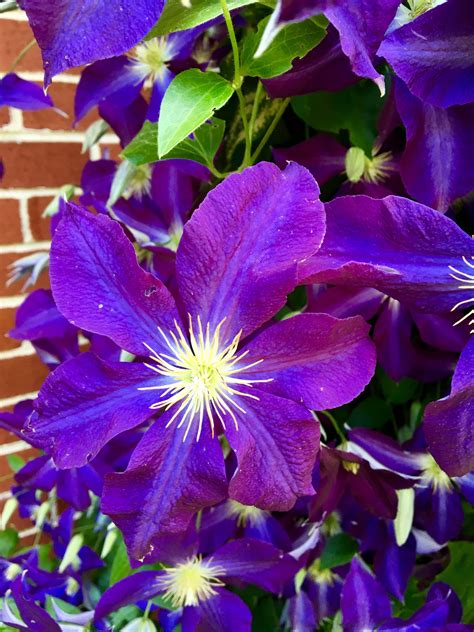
(361, 25)
(205, 379)
(18, 93)
(71, 35)
(397, 246)
(433, 54)
(435, 166)
(197, 585)
(448, 426)
(119, 80)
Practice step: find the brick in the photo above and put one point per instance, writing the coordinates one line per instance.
(10, 232)
(14, 36)
(16, 288)
(4, 116)
(41, 164)
(7, 321)
(21, 375)
(63, 98)
(40, 226)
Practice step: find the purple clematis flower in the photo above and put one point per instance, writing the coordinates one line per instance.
(197, 585)
(438, 509)
(433, 54)
(71, 35)
(448, 424)
(397, 246)
(119, 80)
(204, 371)
(361, 24)
(24, 95)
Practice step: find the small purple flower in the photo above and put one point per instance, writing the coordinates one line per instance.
(15, 92)
(197, 585)
(205, 373)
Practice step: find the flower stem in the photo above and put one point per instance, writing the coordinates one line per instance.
(21, 54)
(335, 425)
(253, 116)
(238, 78)
(270, 130)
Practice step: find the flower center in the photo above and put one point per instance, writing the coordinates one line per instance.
(466, 278)
(433, 475)
(418, 7)
(245, 514)
(149, 59)
(319, 575)
(358, 166)
(192, 581)
(202, 376)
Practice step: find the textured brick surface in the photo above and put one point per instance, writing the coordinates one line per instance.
(63, 98)
(7, 321)
(41, 164)
(21, 374)
(40, 226)
(10, 227)
(14, 37)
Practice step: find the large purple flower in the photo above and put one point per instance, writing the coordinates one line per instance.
(236, 262)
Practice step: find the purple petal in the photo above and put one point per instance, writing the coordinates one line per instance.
(224, 611)
(448, 424)
(238, 254)
(314, 358)
(24, 95)
(466, 484)
(125, 120)
(257, 563)
(85, 402)
(91, 258)
(322, 154)
(276, 445)
(176, 199)
(71, 35)
(435, 166)
(38, 317)
(439, 512)
(440, 590)
(361, 25)
(394, 564)
(166, 482)
(342, 302)
(35, 618)
(392, 335)
(301, 614)
(384, 450)
(364, 602)
(433, 54)
(141, 585)
(394, 245)
(105, 78)
(324, 68)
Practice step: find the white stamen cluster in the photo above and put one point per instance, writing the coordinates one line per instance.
(191, 582)
(432, 475)
(246, 514)
(149, 59)
(202, 375)
(466, 278)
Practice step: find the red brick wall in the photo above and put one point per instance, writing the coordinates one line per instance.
(41, 152)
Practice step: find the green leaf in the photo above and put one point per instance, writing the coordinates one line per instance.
(8, 542)
(355, 109)
(201, 148)
(397, 392)
(93, 134)
(372, 412)
(15, 462)
(121, 565)
(338, 550)
(190, 100)
(457, 575)
(293, 41)
(176, 17)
